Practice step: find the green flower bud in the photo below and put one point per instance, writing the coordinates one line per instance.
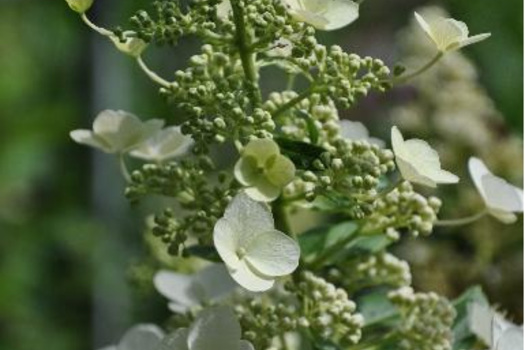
(80, 6)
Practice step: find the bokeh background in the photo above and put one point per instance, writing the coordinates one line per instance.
(67, 236)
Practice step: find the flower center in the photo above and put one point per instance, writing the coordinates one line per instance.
(241, 253)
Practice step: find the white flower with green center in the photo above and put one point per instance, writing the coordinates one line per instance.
(80, 6)
(357, 131)
(418, 162)
(501, 198)
(324, 14)
(255, 253)
(493, 329)
(211, 283)
(165, 144)
(116, 132)
(216, 328)
(263, 170)
(448, 34)
(139, 337)
(131, 46)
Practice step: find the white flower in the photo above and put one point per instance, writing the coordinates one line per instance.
(324, 14)
(212, 283)
(116, 131)
(253, 250)
(418, 162)
(224, 9)
(264, 170)
(501, 198)
(493, 329)
(447, 33)
(357, 131)
(164, 144)
(139, 337)
(214, 329)
(80, 6)
(132, 45)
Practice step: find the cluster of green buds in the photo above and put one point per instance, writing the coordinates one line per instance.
(382, 269)
(426, 320)
(262, 321)
(403, 209)
(327, 311)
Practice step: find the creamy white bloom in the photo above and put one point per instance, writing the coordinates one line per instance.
(418, 162)
(253, 250)
(357, 131)
(139, 337)
(324, 14)
(224, 9)
(447, 33)
(501, 198)
(132, 46)
(165, 144)
(493, 329)
(211, 283)
(263, 170)
(116, 131)
(80, 6)
(216, 328)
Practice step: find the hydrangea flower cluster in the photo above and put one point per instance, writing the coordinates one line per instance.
(281, 151)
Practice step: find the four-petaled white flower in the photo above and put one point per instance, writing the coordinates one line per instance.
(324, 14)
(253, 250)
(165, 144)
(215, 328)
(357, 131)
(132, 45)
(116, 131)
(501, 198)
(139, 337)
(447, 33)
(263, 170)
(80, 6)
(493, 329)
(418, 162)
(212, 283)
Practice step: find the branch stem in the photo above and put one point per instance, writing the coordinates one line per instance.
(151, 74)
(100, 30)
(123, 168)
(463, 221)
(290, 104)
(246, 54)
(404, 78)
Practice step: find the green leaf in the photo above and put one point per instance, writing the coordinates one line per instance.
(319, 239)
(302, 154)
(363, 245)
(376, 308)
(313, 132)
(204, 252)
(462, 333)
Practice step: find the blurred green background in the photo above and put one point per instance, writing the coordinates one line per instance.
(67, 235)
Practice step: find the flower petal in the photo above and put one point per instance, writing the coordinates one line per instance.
(474, 39)
(337, 13)
(480, 321)
(273, 253)
(246, 345)
(281, 171)
(261, 149)
(176, 287)
(177, 340)
(162, 145)
(251, 279)
(477, 170)
(215, 328)
(247, 171)
(501, 195)
(511, 339)
(263, 191)
(86, 137)
(226, 237)
(215, 281)
(141, 337)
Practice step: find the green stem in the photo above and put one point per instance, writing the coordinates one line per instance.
(463, 221)
(332, 250)
(123, 168)
(151, 74)
(245, 53)
(290, 104)
(404, 78)
(281, 218)
(100, 30)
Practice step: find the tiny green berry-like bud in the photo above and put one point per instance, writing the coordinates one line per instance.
(80, 6)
